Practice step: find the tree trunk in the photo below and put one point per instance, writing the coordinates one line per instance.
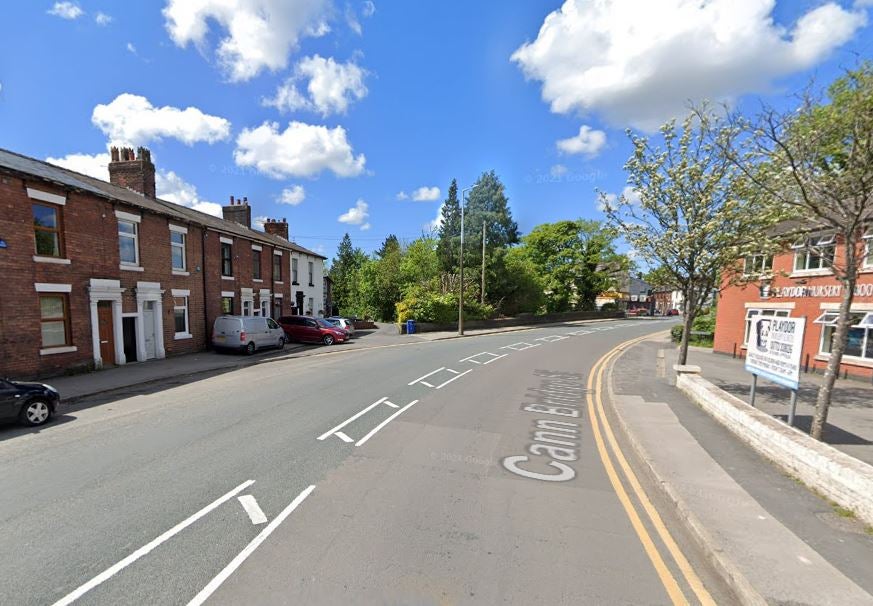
(825, 392)
(690, 309)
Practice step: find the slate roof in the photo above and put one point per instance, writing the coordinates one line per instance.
(71, 179)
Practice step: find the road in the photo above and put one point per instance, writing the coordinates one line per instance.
(477, 470)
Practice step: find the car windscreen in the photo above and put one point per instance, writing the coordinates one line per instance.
(324, 323)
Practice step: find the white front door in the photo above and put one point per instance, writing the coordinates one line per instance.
(148, 323)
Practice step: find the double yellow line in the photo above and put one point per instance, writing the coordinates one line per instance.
(598, 419)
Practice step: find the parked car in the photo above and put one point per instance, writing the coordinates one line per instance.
(345, 323)
(672, 312)
(31, 403)
(247, 333)
(312, 330)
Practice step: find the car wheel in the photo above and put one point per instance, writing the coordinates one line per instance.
(36, 412)
(250, 348)
(281, 343)
(327, 339)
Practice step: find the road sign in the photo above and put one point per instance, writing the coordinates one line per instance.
(775, 345)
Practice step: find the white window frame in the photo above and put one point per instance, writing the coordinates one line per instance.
(765, 268)
(310, 305)
(294, 271)
(828, 320)
(182, 246)
(753, 312)
(868, 248)
(185, 296)
(311, 273)
(814, 246)
(134, 236)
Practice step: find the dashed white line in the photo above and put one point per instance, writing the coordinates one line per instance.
(458, 375)
(494, 359)
(552, 338)
(235, 563)
(473, 360)
(145, 549)
(515, 346)
(344, 437)
(250, 504)
(421, 379)
(384, 423)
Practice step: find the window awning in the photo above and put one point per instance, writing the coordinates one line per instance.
(866, 321)
(829, 318)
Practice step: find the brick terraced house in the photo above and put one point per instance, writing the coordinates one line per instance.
(799, 283)
(97, 274)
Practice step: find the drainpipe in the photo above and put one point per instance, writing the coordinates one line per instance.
(206, 333)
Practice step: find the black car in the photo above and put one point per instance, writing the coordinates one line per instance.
(31, 403)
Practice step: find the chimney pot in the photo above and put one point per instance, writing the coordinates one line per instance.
(135, 172)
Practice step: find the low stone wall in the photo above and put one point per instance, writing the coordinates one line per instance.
(841, 478)
(517, 321)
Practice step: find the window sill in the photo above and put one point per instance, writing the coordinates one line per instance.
(848, 360)
(257, 280)
(806, 273)
(228, 278)
(60, 261)
(124, 267)
(49, 351)
(278, 282)
(179, 272)
(179, 336)
(295, 283)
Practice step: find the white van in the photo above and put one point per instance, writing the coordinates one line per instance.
(246, 333)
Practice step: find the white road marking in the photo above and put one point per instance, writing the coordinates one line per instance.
(256, 514)
(391, 404)
(235, 563)
(420, 379)
(515, 346)
(350, 419)
(385, 422)
(580, 332)
(458, 375)
(473, 360)
(145, 549)
(552, 338)
(343, 437)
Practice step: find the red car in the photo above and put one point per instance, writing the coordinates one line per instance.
(312, 330)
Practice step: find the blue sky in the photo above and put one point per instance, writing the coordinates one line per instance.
(390, 97)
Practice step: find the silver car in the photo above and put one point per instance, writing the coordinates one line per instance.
(246, 333)
(344, 323)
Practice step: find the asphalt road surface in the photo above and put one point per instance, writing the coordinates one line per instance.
(477, 470)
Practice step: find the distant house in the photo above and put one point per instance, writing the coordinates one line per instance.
(100, 273)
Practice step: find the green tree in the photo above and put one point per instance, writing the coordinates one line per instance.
(450, 230)
(693, 216)
(577, 260)
(515, 284)
(391, 244)
(420, 265)
(344, 272)
(815, 161)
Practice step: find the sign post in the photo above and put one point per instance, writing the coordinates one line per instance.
(775, 345)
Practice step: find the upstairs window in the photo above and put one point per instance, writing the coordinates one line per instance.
(311, 265)
(47, 230)
(815, 252)
(177, 249)
(128, 242)
(256, 264)
(868, 248)
(277, 268)
(757, 264)
(226, 259)
(294, 270)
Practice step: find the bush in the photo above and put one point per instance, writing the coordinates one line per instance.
(611, 306)
(676, 333)
(424, 306)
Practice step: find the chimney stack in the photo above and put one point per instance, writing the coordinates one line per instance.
(132, 170)
(238, 212)
(276, 227)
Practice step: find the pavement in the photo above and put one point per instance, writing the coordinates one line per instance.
(770, 538)
(459, 471)
(850, 419)
(75, 387)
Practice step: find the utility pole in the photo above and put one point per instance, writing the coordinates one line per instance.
(482, 290)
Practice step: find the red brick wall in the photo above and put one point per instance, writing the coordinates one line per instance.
(730, 319)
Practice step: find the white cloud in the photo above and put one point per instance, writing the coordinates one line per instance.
(588, 142)
(437, 222)
(426, 194)
(133, 120)
(352, 20)
(638, 63)
(259, 34)
(558, 170)
(630, 195)
(356, 215)
(258, 222)
(93, 165)
(331, 87)
(130, 48)
(301, 150)
(370, 8)
(171, 187)
(66, 10)
(102, 19)
(402, 195)
(293, 195)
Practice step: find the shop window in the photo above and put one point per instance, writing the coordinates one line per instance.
(860, 340)
(751, 314)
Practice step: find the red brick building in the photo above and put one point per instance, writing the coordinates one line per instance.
(98, 273)
(800, 283)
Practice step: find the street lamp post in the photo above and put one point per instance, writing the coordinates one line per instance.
(461, 296)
